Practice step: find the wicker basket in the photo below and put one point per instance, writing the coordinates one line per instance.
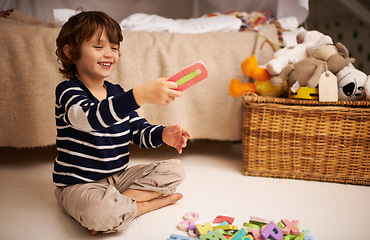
(307, 139)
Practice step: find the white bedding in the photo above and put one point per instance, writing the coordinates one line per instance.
(155, 23)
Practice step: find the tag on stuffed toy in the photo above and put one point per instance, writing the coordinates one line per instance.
(328, 87)
(295, 87)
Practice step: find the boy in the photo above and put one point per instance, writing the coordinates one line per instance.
(96, 120)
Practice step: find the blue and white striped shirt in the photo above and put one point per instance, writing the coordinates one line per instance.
(93, 136)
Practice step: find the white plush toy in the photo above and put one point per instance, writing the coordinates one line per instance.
(289, 55)
(367, 88)
(351, 83)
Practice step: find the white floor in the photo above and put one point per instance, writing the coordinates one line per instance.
(214, 186)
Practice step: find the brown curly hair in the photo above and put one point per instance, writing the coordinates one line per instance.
(79, 28)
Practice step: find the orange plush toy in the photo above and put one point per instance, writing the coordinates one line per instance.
(262, 84)
(250, 68)
(237, 88)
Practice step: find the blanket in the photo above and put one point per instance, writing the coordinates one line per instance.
(155, 23)
(29, 75)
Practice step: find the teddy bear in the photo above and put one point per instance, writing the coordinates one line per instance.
(307, 72)
(262, 84)
(353, 84)
(293, 54)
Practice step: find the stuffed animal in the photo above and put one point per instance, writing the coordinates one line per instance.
(307, 72)
(351, 84)
(262, 84)
(237, 88)
(293, 54)
(367, 88)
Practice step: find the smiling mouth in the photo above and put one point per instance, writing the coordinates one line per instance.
(105, 64)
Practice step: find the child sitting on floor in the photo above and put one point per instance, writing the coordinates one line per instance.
(95, 122)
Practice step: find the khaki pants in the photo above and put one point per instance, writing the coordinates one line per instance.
(101, 206)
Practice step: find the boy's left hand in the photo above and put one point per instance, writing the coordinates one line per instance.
(176, 137)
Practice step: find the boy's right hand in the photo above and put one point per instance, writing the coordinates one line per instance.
(158, 91)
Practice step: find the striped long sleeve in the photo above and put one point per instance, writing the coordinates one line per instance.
(93, 136)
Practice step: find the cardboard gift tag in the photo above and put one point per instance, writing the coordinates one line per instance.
(328, 87)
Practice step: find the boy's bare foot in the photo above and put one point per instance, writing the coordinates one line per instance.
(141, 195)
(154, 204)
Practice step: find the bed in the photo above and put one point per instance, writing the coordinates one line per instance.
(29, 75)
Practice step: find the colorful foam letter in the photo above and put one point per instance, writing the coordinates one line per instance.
(178, 237)
(239, 235)
(220, 219)
(192, 216)
(259, 221)
(291, 227)
(248, 237)
(190, 75)
(300, 237)
(216, 235)
(226, 227)
(224, 223)
(192, 231)
(257, 234)
(272, 231)
(250, 226)
(203, 229)
(184, 225)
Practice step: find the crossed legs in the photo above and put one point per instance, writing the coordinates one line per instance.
(154, 189)
(147, 201)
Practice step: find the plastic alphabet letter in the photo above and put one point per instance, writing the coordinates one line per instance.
(257, 234)
(204, 229)
(301, 237)
(259, 221)
(190, 75)
(220, 219)
(184, 225)
(216, 235)
(226, 227)
(291, 227)
(272, 231)
(250, 226)
(193, 231)
(192, 216)
(239, 235)
(178, 237)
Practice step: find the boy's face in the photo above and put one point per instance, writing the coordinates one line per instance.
(98, 58)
